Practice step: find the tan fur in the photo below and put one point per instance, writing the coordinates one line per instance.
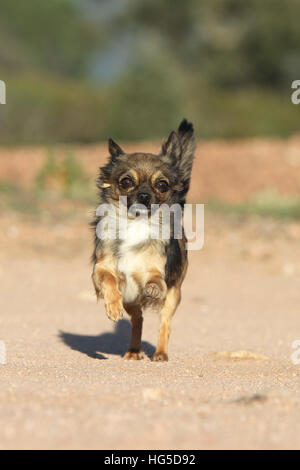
(167, 312)
(134, 351)
(109, 281)
(135, 273)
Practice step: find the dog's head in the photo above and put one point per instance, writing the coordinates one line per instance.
(147, 179)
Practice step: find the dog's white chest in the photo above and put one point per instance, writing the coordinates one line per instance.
(138, 232)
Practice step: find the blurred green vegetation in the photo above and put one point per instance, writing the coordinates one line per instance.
(81, 71)
(60, 188)
(267, 204)
(64, 177)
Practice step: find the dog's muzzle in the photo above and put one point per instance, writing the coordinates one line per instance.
(144, 198)
(139, 209)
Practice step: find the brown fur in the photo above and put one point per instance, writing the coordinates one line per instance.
(156, 267)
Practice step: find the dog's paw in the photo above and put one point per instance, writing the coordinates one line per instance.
(160, 357)
(134, 356)
(115, 310)
(154, 291)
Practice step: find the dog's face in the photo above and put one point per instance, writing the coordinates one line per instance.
(147, 179)
(144, 179)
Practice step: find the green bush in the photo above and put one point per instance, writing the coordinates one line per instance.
(64, 177)
(227, 65)
(267, 204)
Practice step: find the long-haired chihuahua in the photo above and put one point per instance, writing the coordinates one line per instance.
(138, 270)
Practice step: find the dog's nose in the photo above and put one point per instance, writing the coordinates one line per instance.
(144, 198)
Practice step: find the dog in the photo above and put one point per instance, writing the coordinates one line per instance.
(134, 272)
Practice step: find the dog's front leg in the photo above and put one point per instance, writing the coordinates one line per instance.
(155, 286)
(107, 286)
(135, 347)
(168, 309)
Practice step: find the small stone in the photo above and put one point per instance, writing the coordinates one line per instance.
(87, 296)
(241, 355)
(289, 270)
(152, 394)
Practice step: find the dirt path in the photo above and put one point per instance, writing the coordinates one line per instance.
(66, 385)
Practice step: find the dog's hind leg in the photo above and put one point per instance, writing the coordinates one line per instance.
(166, 314)
(135, 347)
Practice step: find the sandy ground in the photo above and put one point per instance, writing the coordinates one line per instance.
(66, 386)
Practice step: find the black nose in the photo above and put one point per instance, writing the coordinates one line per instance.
(144, 198)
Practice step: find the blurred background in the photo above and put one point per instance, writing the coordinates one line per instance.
(78, 72)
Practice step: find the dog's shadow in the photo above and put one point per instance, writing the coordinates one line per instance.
(107, 343)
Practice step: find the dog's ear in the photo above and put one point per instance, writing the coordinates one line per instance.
(188, 147)
(114, 149)
(178, 150)
(171, 149)
(106, 171)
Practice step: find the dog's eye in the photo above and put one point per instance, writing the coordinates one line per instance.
(162, 186)
(126, 183)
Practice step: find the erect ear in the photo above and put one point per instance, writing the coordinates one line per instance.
(171, 148)
(179, 150)
(105, 172)
(188, 147)
(114, 149)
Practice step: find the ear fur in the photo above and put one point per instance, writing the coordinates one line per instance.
(179, 150)
(105, 172)
(188, 147)
(171, 148)
(114, 149)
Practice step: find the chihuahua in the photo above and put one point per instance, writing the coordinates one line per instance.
(136, 271)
